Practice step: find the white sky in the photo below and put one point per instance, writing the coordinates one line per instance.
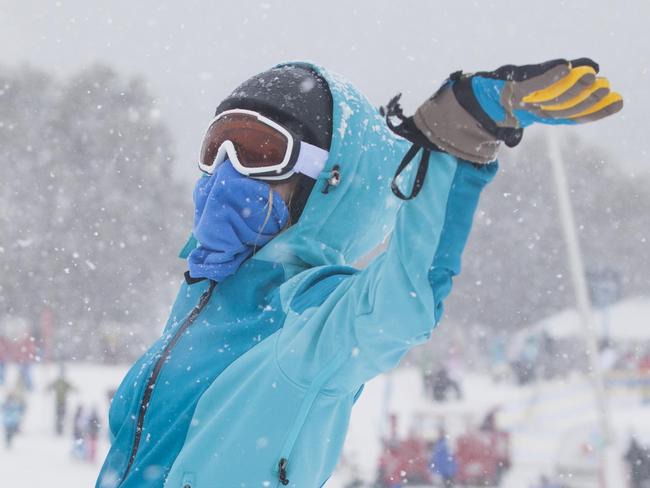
(193, 53)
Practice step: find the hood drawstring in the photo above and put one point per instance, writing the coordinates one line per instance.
(409, 131)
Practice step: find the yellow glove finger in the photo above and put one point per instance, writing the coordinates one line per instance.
(609, 105)
(585, 100)
(597, 91)
(566, 88)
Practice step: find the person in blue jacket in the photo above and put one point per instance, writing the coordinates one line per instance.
(443, 462)
(12, 414)
(274, 332)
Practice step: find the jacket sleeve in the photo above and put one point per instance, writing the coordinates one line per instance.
(369, 322)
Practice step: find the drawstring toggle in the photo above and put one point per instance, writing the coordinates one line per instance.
(283, 471)
(333, 179)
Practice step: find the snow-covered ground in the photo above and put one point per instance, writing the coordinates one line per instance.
(550, 422)
(38, 458)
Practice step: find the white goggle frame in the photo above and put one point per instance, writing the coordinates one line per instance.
(311, 159)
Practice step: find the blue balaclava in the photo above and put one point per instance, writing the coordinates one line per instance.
(233, 216)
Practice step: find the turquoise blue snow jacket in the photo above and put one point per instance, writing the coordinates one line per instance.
(253, 380)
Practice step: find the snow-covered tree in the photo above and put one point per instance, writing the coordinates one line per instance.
(91, 218)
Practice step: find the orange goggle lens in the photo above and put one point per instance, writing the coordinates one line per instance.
(257, 144)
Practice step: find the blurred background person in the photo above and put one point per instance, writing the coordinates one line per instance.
(12, 412)
(61, 388)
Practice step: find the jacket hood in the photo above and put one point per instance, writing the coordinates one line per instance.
(342, 223)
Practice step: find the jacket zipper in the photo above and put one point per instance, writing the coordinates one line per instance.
(146, 397)
(303, 412)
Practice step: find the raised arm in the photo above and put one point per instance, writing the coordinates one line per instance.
(373, 318)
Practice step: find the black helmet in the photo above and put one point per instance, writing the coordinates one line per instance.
(297, 97)
(292, 95)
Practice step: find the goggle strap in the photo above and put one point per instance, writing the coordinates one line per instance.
(311, 160)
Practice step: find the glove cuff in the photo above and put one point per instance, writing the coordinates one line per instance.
(448, 125)
(465, 93)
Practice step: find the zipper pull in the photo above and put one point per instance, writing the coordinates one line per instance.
(283, 471)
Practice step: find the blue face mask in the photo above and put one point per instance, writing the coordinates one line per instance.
(233, 216)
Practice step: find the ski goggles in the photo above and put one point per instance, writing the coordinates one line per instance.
(258, 147)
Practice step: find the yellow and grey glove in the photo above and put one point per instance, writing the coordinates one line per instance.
(471, 114)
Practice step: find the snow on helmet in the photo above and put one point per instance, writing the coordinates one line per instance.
(293, 95)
